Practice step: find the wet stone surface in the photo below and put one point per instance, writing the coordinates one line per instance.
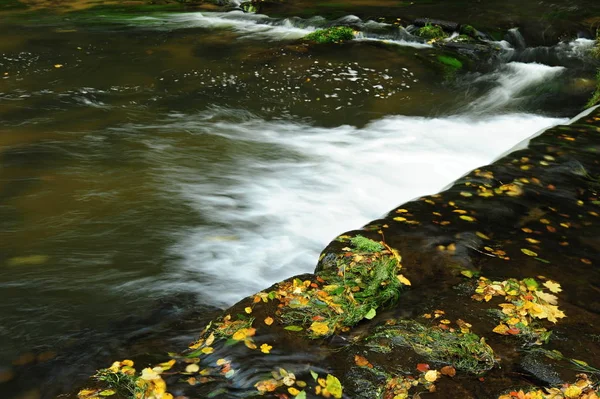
(412, 302)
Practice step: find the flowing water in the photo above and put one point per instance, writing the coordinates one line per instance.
(210, 154)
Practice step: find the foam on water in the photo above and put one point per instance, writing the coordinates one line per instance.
(275, 216)
(511, 82)
(256, 26)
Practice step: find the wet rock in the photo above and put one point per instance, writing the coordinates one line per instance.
(540, 368)
(448, 26)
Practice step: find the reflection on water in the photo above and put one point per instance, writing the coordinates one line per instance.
(139, 161)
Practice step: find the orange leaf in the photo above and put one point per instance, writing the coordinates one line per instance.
(422, 367)
(362, 361)
(448, 370)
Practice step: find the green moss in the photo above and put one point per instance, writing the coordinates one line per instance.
(335, 34)
(364, 244)
(468, 30)
(452, 62)
(430, 32)
(464, 350)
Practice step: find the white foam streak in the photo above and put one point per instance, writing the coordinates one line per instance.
(256, 26)
(276, 216)
(511, 80)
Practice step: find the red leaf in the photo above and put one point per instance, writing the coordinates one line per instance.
(422, 367)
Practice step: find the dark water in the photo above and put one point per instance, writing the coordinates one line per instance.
(155, 166)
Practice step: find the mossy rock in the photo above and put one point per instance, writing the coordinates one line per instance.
(335, 34)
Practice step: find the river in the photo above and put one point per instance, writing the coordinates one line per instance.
(207, 155)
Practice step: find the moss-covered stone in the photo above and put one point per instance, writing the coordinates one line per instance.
(335, 34)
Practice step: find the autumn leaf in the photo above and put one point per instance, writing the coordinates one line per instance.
(248, 309)
(553, 286)
(293, 391)
(268, 320)
(333, 386)
(403, 279)
(528, 252)
(192, 368)
(266, 348)
(431, 376)
(319, 328)
(107, 392)
(362, 361)
(448, 371)
(467, 218)
(501, 329)
(423, 367)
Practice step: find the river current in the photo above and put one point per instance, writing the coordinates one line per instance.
(210, 154)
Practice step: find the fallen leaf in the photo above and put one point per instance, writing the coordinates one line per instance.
(423, 367)
(268, 320)
(528, 252)
(431, 376)
(370, 314)
(362, 361)
(319, 328)
(403, 279)
(448, 370)
(293, 328)
(333, 386)
(192, 368)
(266, 348)
(248, 309)
(553, 286)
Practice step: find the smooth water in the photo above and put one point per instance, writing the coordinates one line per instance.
(212, 154)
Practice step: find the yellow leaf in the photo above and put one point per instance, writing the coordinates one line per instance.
(58, 66)
(240, 334)
(467, 218)
(553, 286)
(403, 279)
(528, 252)
(551, 299)
(293, 391)
(108, 392)
(210, 339)
(268, 320)
(250, 343)
(248, 309)
(572, 391)
(266, 348)
(192, 368)
(207, 350)
(319, 328)
(87, 393)
(501, 329)
(431, 376)
(333, 386)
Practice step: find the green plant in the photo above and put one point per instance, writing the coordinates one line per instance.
(431, 32)
(335, 34)
(124, 384)
(464, 350)
(364, 244)
(351, 292)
